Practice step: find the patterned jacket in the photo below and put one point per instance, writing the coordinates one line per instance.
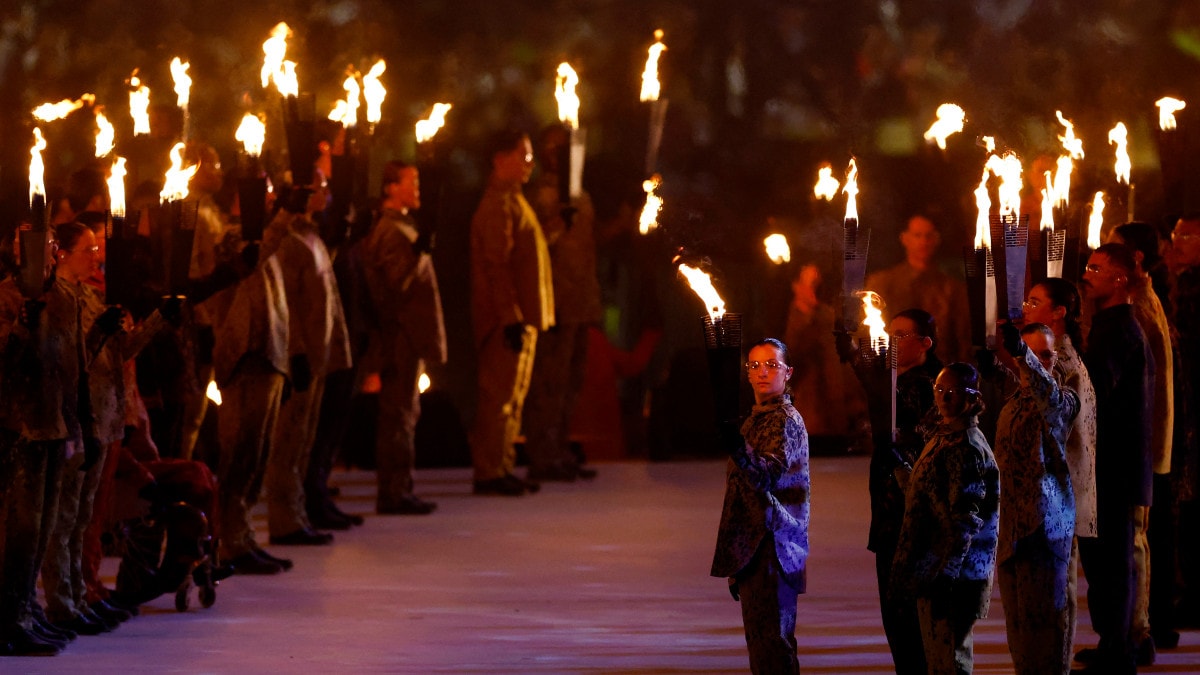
(572, 252)
(767, 490)
(951, 514)
(403, 290)
(1035, 480)
(510, 264)
(1081, 440)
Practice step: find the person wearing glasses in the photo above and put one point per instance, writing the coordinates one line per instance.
(914, 335)
(946, 552)
(1037, 514)
(1121, 367)
(762, 541)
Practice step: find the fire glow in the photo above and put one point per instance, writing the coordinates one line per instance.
(251, 133)
(1047, 222)
(1073, 145)
(873, 320)
(139, 105)
(1167, 107)
(651, 88)
(983, 202)
(1008, 168)
(183, 81)
(426, 129)
(274, 49)
(49, 112)
(851, 191)
(175, 187)
(1095, 221)
(37, 168)
(564, 93)
(827, 186)
(106, 135)
(116, 188)
(702, 285)
(777, 248)
(648, 220)
(950, 119)
(374, 92)
(1119, 136)
(345, 111)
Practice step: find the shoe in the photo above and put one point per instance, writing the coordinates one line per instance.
(19, 641)
(110, 612)
(329, 521)
(531, 486)
(354, 518)
(248, 563)
(411, 505)
(303, 537)
(585, 472)
(1168, 639)
(1088, 656)
(84, 624)
(1145, 653)
(555, 473)
(285, 563)
(110, 624)
(505, 486)
(48, 632)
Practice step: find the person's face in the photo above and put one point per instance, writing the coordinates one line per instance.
(920, 240)
(767, 372)
(1042, 346)
(1039, 308)
(515, 165)
(1185, 242)
(318, 199)
(406, 192)
(208, 176)
(804, 287)
(950, 396)
(80, 261)
(1101, 279)
(910, 346)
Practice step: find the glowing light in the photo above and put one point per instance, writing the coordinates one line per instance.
(374, 92)
(1008, 168)
(49, 112)
(827, 186)
(1062, 181)
(116, 188)
(989, 144)
(423, 383)
(175, 187)
(286, 81)
(876, 328)
(950, 119)
(428, 128)
(850, 189)
(702, 285)
(1119, 136)
(345, 111)
(213, 393)
(1167, 107)
(37, 168)
(1095, 221)
(651, 88)
(183, 81)
(983, 202)
(274, 49)
(777, 249)
(1073, 145)
(564, 93)
(139, 105)
(648, 221)
(106, 135)
(1048, 197)
(251, 133)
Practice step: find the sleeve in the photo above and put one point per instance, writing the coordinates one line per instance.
(549, 213)
(1102, 363)
(1050, 397)
(967, 490)
(767, 462)
(397, 260)
(494, 243)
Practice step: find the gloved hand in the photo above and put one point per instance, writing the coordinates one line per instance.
(514, 336)
(845, 345)
(301, 372)
(986, 359)
(729, 435)
(1012, 341)
(250, 257)
(733, 589)
(31, 312)
(109, 321)
(424, 242)
(91, 453)
(172, 310)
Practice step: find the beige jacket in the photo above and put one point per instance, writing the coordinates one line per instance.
(403, 290)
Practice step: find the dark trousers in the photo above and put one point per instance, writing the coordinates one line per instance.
(331, 430)
(768, 612)
(1108, 564)
(1164, 545)
(900, 623)
(31, 472)
(947, 618)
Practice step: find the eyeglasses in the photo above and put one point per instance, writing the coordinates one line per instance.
(1094, 268)
(903, 335)
(1182, 237)
(87, 249)
(1032, 303)
(951, 391)
(771, 365)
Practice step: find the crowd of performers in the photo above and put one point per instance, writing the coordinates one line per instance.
(104, 404)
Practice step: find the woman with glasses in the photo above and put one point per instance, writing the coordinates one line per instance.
(947, 548)
(762, 542)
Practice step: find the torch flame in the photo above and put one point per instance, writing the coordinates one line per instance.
(873, 320)
(1073, 145)
(48, 112)
(286, 81)
(139, 105)
(106, 135)
(989, 144)
(851, 191)
(116, 188)
(1062, 181)
(1048, 197)
(1008, 168)
(374, 92)
(648, 221)
(37, 168)
(213, 393)
(274, 49)
(423, 383)
(1096, 221)
(175, 188)
(564, 93)
(777, 248)
(183, 81)
(827, 186)
(428, 128)
(701, 283)
(1119, 136)
(651, 89)
(1167, 107)
(252, 133)
(950, 118)
(346, 111)
(983, 202)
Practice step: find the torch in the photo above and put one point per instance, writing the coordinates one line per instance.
(723, 338)
(1062, 188)
(183, 88)
(570, 163)
(373, 92)
(252, 180)
(855, 243)
(648, 220)
(1119, 137)
(1046, 250)
(950, 119)
(429, 168)
(1011, 228)
(879, 344)
(119, 284)
(651, 92)
(1095, 222)
(1172, 144)
(182, 218)
(980, 273)
(778, 250)
(34, 243)
(342, 159)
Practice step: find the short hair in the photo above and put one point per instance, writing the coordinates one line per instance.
(392, 171)
(1141, 237)
(1120, 255)
(1042, 328)
(924, 322)
(505, 140)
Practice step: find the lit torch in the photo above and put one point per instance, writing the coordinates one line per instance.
(120, 282)
(1177, 160)
(570, 163)
(116, 188)
(34, 243)
(374, 92)
(827, 186)
(1012, 229)
(1073, 145)
(950, 119)
(880, 342)
(181, 232)
(777, 247)
(345, 111)
(427, 128)
(139, 105)
(652, 93)
(252, 182)
(980, 272)
(1095, 221)
(183, 91)
(1167, 107)
(723, 337)
(37, 181)
(1119, 136)
(252, 134)
(855, 245)
(49, 112)
(274, 50)
(648, 220)
(106, 135)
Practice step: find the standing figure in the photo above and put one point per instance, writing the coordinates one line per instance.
(947, 549)
(1037, 514)
(762, 542)
(511, 302)
(1121, 367)
(561, 351)
(406, 310)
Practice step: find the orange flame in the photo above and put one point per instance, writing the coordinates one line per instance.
(777, 248)
(1096, 221)
(950, 119)
(116, 188)
(286, 81)
(827, 186)
(345, 111)
(428, 128)
(183, 81)
(989, 144)
(651, 88)
(374, 92)
(648, 221)
(37, 168)
(983, 202)
(274, 49)
(1119, 136)
(251, 133)
(702, 284)
(564, 93)
(1048, 196)
(851, 191)
(175, 187)
(106, 135)
(423, 383)
(1167, 107)
(1062, 180)
(49, 112)
(1073, 145)
(873, 320)
(139, 105)
(1008, 168)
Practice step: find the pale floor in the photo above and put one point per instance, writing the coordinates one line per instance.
(603, 577)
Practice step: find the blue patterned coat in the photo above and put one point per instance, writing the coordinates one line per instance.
(767, 491)
(951, 514)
